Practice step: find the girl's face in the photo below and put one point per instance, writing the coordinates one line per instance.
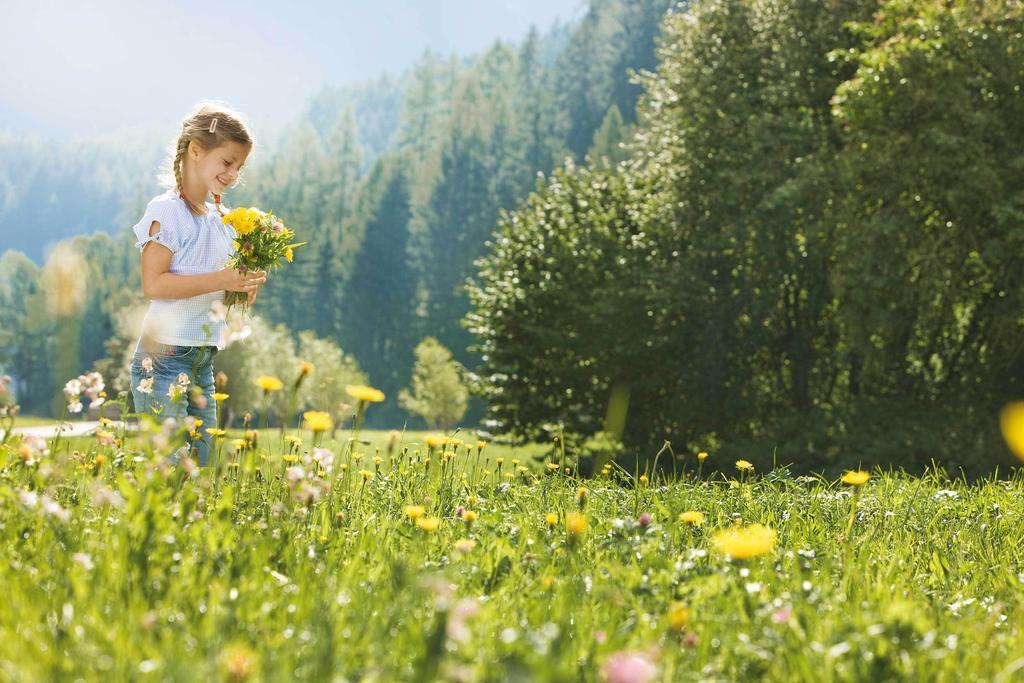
(218, 168)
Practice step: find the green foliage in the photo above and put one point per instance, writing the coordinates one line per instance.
(272, 350)
(438, 393)
(824, 217)
(288, 571)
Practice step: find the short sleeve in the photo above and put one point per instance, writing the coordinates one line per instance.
(169, 234)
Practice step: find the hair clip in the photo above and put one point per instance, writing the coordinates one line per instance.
(213, 125)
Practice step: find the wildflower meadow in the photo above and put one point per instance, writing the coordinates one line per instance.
(387, 556)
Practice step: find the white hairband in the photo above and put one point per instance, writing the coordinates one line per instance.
(213, 125)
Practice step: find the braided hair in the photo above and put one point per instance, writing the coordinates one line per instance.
(210, 125)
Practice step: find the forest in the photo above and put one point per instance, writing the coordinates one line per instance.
(786, 230)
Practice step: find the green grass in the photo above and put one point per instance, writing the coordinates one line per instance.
(229, 574)
(33, 421)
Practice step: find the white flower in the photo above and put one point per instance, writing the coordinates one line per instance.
(28, 498)
(294, 474)
(183, 379)
(147, 364)
(75, 407)
(83, 559)
(218, 312)
(72, 389)
(53, 508)
(145, 385)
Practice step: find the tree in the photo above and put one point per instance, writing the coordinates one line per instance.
(438, 393)
(377, 318)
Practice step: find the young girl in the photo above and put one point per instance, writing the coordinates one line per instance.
(184, 246)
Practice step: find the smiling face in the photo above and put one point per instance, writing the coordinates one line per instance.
(217, 169)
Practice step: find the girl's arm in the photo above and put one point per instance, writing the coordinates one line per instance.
(158, 283)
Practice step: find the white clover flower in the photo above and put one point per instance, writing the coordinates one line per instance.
(84, 559)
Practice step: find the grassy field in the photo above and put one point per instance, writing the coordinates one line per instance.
(327, 565)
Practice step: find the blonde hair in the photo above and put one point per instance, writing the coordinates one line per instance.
(211, 125)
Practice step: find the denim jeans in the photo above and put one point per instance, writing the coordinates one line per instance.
(169, 362)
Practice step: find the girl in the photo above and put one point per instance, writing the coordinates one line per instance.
(184, 246)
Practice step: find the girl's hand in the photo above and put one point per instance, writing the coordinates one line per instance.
(252, 295)
(237, 281)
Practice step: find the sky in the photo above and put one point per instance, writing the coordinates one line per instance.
(73, 70)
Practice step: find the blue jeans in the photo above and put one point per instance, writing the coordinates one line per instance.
(169, 362)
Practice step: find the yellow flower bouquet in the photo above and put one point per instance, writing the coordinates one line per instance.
(263, 241)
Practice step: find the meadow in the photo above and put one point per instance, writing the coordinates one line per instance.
(382, 556)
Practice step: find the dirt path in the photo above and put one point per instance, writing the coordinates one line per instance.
(70, 429)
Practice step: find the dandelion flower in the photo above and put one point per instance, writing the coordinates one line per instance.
(1011, 422)
(702, 456)
(220, 397)
(269, 383)
(691, 517)
(742, 543)
(317, 421)
(362, 392)
(856, 478)
(678, 616)
(428, 524)
(744, 466)
(434, 441)
(414, 511)
(575, 524)
(551, 518)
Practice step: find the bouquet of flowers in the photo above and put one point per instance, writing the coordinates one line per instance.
(263, 240)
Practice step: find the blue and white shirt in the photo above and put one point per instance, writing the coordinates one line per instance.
(199, 244)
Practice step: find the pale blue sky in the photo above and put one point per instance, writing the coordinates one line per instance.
(76, 69)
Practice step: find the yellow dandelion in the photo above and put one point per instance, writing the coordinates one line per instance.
(552, 466)
(362, 392)
(856, 478)
(221, 397)
(678, 616)
(428, 524)
(414, 511)
(551, 518)
(702, 456)
(548, 581)
(744, 466)
(469, 516)
(434, 441)
(692, 517)
(269, 383)
(288, 255)
(742, 543)
(575, 524)
(1011, 423)
(367, 475)
(239, 662)
(317, 421)
(214, 431)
